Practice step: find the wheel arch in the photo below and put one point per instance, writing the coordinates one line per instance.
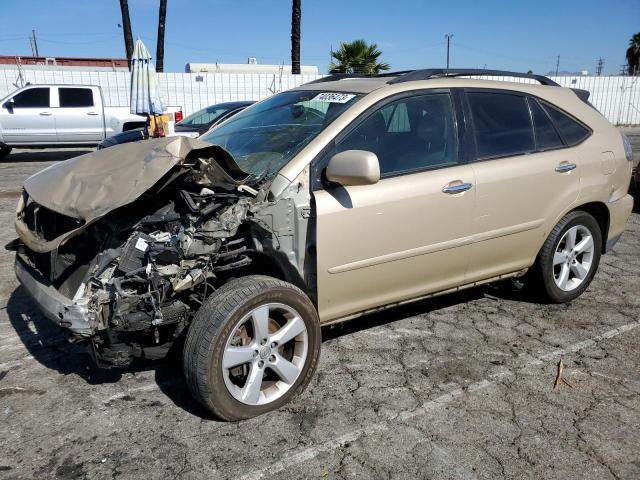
(600, 212)
(274, 264)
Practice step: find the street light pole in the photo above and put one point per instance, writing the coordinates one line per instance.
(448, 37)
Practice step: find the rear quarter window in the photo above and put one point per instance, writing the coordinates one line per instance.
(572, 131)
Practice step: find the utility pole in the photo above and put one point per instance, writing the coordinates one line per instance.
(448, 37)
(557, 65)
(33, 52)
(599, 66)
(35, 42)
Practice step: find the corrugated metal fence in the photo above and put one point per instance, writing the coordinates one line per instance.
(618, 98)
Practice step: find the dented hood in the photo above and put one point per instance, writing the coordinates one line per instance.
(90, 186)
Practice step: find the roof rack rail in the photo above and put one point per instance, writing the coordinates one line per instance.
(340, 76)
(333, 77)
(430, 73)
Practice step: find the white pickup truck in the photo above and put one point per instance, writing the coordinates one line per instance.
(60, 115)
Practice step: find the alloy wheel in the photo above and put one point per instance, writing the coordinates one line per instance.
(573, 258)
(265, 354)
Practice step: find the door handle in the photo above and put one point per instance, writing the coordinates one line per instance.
(93, 113)
(459, 188)
(565, 167)
(45, 114)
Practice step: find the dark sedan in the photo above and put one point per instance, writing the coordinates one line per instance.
(193, 125)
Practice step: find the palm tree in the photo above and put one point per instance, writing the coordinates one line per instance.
(633, 55)
(296, 13)
(162, 18)
(357, 57)
(126, 28)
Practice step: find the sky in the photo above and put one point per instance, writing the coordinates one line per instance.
(513, 35)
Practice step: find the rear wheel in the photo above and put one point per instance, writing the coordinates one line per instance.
(569, 258)
(4, 151)
(252, 346)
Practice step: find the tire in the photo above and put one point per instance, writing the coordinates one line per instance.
(548, 271)
(4, 151)
(229, 322)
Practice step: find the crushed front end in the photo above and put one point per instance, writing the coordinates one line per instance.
(127, 283)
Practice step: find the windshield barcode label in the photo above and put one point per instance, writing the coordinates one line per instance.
(333, 97)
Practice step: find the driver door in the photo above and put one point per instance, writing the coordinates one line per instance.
(29, 119)
(409, 234)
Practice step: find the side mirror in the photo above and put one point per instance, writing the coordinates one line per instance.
(353, 167)
(9, 104)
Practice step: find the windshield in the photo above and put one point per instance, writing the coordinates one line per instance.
(204, 116)
(263, 138)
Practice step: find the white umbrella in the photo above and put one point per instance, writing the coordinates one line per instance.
(145, 95)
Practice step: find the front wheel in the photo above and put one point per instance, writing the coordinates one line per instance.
(252, 346)
(569, 257)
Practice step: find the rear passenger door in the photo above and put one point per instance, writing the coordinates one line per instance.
(525, 177)
(408, 234)
(78, 116)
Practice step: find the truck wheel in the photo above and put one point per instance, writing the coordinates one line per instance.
(569, 258)
(4, 151)
(252, 346)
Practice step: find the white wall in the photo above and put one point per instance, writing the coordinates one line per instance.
(190, 91)
(618, 98)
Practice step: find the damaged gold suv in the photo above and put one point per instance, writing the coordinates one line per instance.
(338, 198)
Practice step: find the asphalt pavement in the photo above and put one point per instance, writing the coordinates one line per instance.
(461, 387)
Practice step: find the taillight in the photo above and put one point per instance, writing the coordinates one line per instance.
(628, 151)
(178, 116)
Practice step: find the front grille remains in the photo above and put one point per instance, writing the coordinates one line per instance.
(46, 223)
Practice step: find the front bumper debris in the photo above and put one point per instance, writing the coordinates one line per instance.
(68, 314)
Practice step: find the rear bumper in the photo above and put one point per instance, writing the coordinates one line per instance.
(68, 314)
(619, 213)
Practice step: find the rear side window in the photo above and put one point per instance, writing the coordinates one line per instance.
(547, 137)
(32, 98)
(75, 97)
(502, 124)
(572, 131)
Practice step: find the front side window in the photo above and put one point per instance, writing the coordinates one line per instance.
(502, 124)
(32, 98)
(410, 134)
(547, 137)
(265, 137)
(75, 97)
(572, 131)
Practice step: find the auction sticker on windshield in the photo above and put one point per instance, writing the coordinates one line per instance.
(333, 97)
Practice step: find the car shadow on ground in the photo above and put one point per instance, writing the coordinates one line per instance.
(41, 155)
(48, 344)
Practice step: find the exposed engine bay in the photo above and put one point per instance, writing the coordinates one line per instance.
(135, 276)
